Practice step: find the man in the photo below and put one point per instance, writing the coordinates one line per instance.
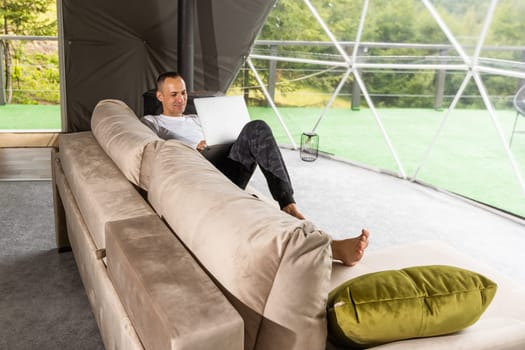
(254, 146)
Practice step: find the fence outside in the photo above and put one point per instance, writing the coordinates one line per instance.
(438, 53)
(26, 58)
(440, 57)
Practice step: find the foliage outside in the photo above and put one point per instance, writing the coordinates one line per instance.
(400, 21)
(30, 67)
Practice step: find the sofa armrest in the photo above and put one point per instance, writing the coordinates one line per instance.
(170, 300)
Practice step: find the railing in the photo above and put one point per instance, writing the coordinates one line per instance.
(439, 60)
(19, 69)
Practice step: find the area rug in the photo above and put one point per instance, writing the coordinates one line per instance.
(43, 304)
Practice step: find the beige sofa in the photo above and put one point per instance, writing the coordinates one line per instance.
(174, 256)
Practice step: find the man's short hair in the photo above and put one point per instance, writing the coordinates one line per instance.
(162, 77)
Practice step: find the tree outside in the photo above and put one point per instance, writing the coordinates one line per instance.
(400, 21)
(30, 67)
(32, 74)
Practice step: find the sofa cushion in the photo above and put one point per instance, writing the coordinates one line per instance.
(122, 136)
(101, 191)
(414, 302)
(148, 162)
(113, 322)
(259, 255)
(170, 300)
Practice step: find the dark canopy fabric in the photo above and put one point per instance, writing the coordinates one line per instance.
(116, 49)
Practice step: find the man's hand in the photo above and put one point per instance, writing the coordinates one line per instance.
(201, 146)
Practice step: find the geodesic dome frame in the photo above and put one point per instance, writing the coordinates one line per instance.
(472, 65)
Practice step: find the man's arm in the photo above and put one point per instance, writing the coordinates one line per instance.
(150, 123)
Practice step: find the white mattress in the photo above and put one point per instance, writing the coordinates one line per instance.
(502, 326)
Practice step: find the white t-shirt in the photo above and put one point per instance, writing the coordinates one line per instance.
(186, 128)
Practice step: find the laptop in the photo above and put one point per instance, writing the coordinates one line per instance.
(222, 118)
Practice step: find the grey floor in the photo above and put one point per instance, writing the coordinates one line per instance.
(42, 300)
(341, 199)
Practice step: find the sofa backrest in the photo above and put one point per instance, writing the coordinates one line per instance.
(103, 165)
(124, 138)
(102, 193)
(274, 268)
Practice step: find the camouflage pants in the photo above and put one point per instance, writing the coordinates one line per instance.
(255, 146)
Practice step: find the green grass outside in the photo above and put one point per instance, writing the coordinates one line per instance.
(29, 117)
(468, 158)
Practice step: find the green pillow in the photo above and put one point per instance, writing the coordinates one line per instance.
(419, 301)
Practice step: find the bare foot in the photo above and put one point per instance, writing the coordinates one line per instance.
(350, 250)
(293, 211)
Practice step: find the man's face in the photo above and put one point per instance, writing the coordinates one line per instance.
(173, 96)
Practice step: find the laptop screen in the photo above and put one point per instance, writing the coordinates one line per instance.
(222, 118)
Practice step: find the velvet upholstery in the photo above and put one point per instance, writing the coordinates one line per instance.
(101, 191)
(256, 252)
(148, 161)
(152, 273)
(122, 136)
(112, 318)
(413, 302)
(115, 327)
